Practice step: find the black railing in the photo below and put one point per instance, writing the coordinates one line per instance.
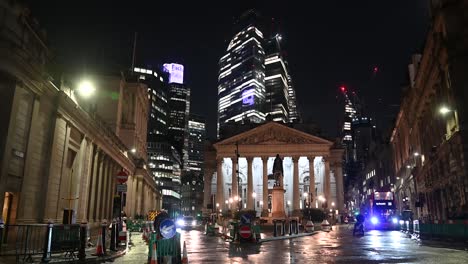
(28, 243)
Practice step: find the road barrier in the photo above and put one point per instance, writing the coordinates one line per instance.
(166, 248)
(447, 229)
(43, 240)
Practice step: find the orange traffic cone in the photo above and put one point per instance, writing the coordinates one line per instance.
(154, 255)
(184, 255)
(99, 248)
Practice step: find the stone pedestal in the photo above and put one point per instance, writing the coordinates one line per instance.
(277, 202)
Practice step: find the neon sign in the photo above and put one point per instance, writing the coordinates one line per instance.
(248, 97)
(176, 72)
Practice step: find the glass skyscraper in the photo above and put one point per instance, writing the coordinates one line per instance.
(254, 80)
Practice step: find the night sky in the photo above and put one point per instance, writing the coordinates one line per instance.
(329, 44)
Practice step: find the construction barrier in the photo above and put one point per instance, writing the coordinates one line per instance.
(448, 229)
(166, 248)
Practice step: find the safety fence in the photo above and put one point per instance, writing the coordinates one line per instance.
(28, 243)
(449, 229)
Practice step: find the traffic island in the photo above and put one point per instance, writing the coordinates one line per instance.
(286, 237)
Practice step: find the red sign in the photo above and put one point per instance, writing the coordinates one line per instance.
(245, 232)
(122, 177)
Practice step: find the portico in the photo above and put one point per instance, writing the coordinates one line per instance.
(312, 168)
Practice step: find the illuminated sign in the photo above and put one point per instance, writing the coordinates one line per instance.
(248, 97)
(176, 72)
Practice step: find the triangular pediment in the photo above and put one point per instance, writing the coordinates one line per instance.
(274, 134)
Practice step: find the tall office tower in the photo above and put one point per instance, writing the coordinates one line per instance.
(277, 82)
(179, 108)
(241, 80)
(197, 135)
(294, 113)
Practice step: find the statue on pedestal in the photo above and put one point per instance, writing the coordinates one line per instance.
(278, 171)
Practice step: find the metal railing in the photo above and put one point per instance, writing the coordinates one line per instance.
(29, 242)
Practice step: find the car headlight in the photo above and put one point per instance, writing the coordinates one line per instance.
(180, 222)
(374, 220)
(194, 222)
(394, 220)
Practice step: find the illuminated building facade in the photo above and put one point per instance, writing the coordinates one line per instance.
(254, 81)
(241, 81)
(197, 135)
(179, 109)
(277, 82)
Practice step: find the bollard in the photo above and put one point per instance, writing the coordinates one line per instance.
(283, 225)
(290, 227)
(104, 229)
(2, 227)
(275, 228)
(113, 240)
(47, 242)
(83, 236)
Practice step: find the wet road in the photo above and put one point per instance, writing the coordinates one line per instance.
(338, 246)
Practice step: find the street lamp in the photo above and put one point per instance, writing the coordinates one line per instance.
(86, 88)
(444, 110)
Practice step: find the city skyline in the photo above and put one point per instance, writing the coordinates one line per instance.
(319, 66)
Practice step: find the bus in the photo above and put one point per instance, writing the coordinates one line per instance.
(382, 211)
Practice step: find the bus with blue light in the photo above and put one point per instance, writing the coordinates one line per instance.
(382, 211)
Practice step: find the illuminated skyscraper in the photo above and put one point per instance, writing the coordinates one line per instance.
(254, 80)
(179, 109)
(241, 81)
(197, 135)
(280, 101)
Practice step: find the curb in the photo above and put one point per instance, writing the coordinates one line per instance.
(286, 237)
(94, 259)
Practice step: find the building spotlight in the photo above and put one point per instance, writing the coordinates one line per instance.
(444, 110)
(86, 88)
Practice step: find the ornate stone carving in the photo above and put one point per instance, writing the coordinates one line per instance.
(276, 136)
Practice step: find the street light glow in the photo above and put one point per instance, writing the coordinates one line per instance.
(254, 195)
(133, 150)
(86, 88)
(416, 154)
(444, 110)
(333, 203)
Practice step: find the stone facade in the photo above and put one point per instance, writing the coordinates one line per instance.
(430, 146)
(257, 149)
(54, 155)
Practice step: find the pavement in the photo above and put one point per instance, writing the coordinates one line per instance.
(337, 246)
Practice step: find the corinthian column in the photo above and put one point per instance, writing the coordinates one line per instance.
(326, 180)
(250, 190)
(312, 193)
(265, 186)
(296, 194)
(235, 188)
(219, 184)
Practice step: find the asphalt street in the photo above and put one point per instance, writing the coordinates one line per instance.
(337, 246)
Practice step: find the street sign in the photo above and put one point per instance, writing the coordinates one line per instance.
(121, 187)
(122, 177)
(245, 219)
(244, 231)
(167, 228)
